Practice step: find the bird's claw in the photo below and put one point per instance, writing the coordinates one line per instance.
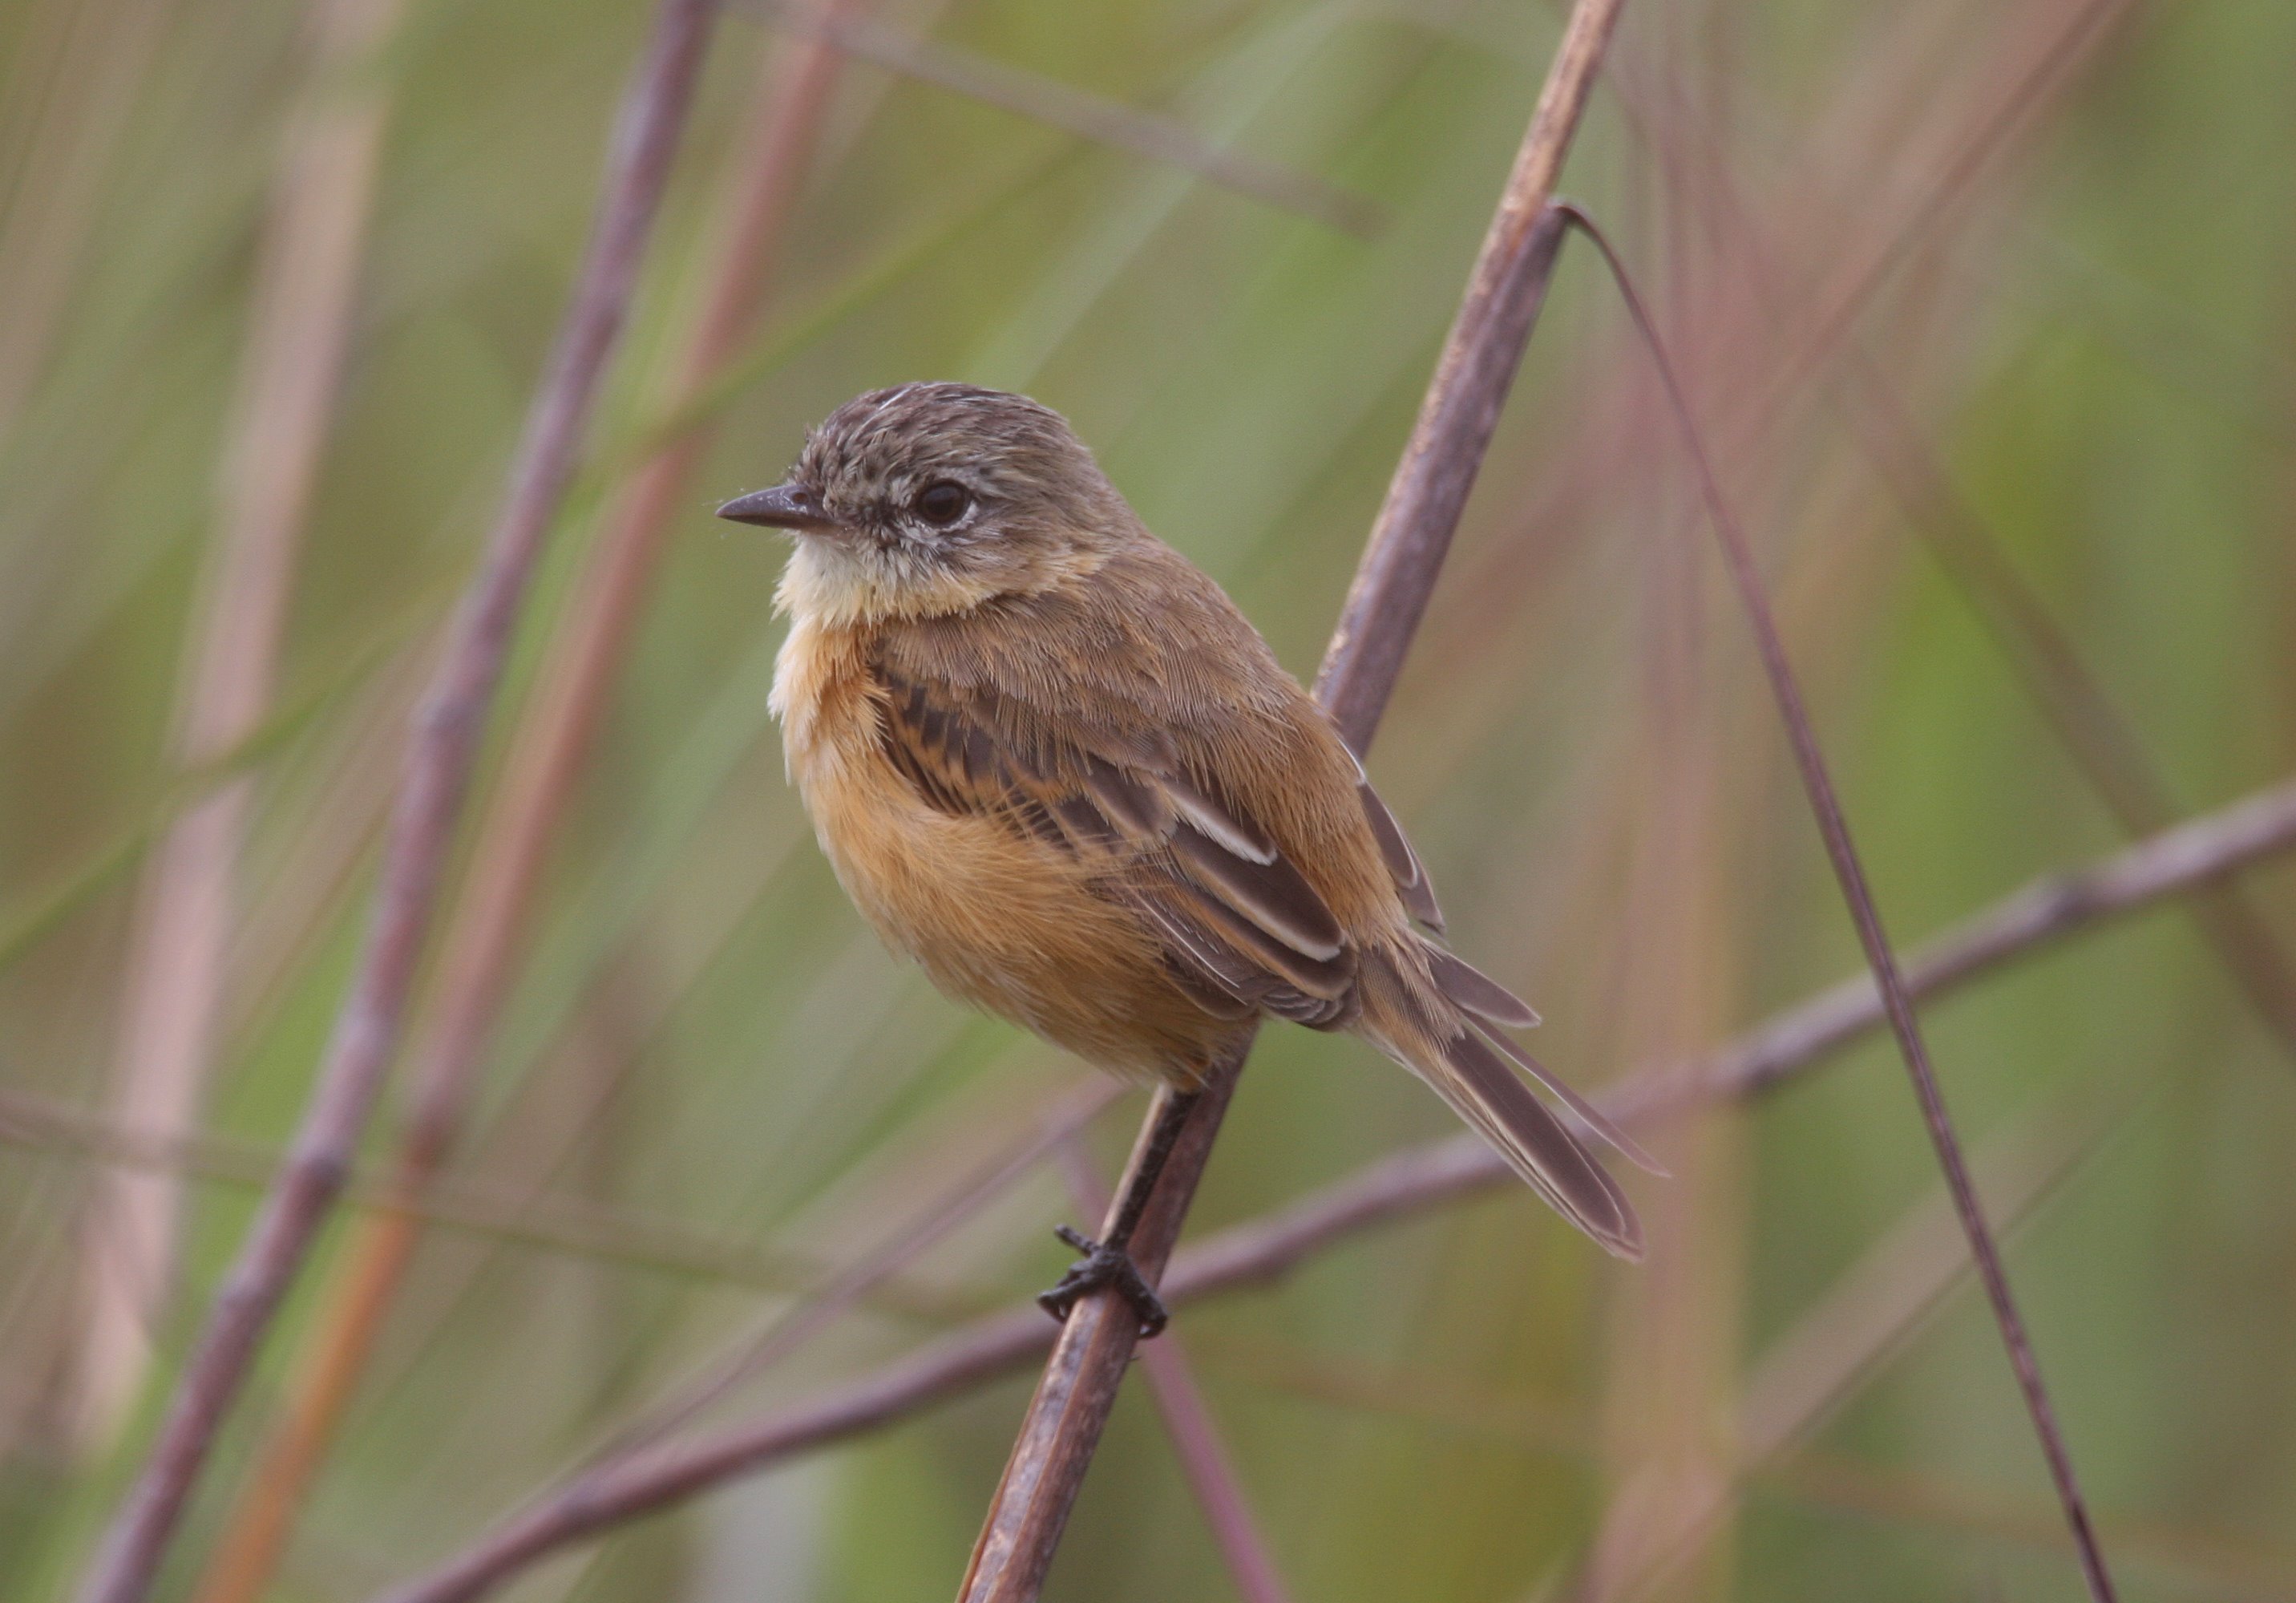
(1102, 1266)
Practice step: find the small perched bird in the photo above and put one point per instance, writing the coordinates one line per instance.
(1053, 762)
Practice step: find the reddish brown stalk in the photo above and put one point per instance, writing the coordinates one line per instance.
(2201, 851)
(1546, 528)
(1896, 1003)
(589, 648)
(625, 1488)
(1194, 1435)
(440, 755)
(1392, 584)
(299, 332)
(1821, 336)
(2104, 743)
(1816, 342)
(539, 781)
(1060, 1430)
(1869, 1313)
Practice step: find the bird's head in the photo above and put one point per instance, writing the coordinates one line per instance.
(934, 497)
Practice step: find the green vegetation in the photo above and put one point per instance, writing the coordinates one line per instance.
(2088, 328)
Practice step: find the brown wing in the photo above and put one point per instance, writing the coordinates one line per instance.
(1403, 865)
(1241, 929)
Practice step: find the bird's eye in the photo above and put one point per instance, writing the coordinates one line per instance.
(943, 502)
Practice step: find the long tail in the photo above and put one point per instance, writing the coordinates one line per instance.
(1439, 1018)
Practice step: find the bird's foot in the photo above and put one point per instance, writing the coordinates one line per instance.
(1102, 1266)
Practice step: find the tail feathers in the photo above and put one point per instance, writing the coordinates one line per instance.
(1489, 1006)
(1485, 1092)
(1441, 1036)
(1593, 1118)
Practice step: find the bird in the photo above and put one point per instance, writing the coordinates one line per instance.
(1052, 761)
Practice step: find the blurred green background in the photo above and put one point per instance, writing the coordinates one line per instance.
(2058, 234)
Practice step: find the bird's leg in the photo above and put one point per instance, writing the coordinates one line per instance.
(1109, 1263)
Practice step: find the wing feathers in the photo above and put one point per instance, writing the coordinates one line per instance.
(1241, 929)
(1238, 834)
(1274, 895)
(1133, 806)
(1242, 966)
(1222, 982)
(1088, 825)
(1329, 977)
(1238, 921)
(1403, 865)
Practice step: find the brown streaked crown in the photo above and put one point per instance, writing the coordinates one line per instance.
(932, 497)
(873, 461)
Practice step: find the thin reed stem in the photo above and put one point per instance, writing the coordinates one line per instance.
(1188, 1424)
(2201, 851)
(1897, 1001)
(441, 754)
(2102, 740)
(539, 780)
(172, 997)
(1393, 582)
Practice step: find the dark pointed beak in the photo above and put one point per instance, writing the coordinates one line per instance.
(783, 506)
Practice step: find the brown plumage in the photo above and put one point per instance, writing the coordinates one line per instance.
(1053, 762)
